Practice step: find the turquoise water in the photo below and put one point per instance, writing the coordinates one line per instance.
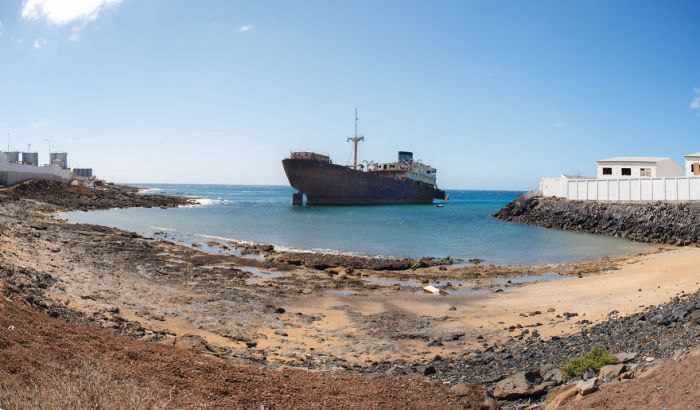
(463, 228)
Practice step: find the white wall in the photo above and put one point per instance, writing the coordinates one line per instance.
(553, 186)
(668, 168)
(11, 174)
(623, 189)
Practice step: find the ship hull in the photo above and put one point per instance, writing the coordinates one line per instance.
(329, 184)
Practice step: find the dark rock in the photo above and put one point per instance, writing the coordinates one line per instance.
(554, 375)
(610, 372)
(625, 357)
(519, 385)
(586, 387)
(695, 316)
(629, 220)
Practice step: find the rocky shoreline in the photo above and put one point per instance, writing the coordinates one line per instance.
(655, 222)
(78, 198)
(640, 341)
(271, 310)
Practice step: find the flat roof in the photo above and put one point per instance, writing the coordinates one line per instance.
(697, 154)
(635, 159)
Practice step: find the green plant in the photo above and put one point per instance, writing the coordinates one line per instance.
(593, 360)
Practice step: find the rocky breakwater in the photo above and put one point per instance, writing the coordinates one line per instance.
(675, 223)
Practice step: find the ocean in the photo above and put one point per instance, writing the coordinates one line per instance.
(463, 228)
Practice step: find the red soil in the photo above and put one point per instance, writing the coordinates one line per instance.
(673, 385)
(31, 343)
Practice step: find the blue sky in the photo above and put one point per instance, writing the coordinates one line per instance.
(495, 94)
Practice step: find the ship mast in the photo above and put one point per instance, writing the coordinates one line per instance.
(355, 140)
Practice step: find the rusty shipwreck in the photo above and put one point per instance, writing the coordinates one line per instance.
(320, 182)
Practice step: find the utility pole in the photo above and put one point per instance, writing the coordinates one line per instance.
(8, 142)
(355, 140)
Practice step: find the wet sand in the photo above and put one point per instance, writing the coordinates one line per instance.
(640, 282)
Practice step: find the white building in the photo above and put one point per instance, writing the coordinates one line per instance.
(692, 165)
(12, 173)
(640, 167)
(631, 179)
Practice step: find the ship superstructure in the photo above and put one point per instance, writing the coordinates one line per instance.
(406, 168)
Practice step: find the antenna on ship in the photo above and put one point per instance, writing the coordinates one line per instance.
(355, 140)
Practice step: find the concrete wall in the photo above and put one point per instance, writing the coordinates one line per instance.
(553, 187)
(11, 174)
(623, 189)
(668, 168)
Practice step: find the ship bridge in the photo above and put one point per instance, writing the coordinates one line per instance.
(406, 168)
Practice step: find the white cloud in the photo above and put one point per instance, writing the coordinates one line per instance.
(245, 28)
(39, 43)
(695, 104)
(559, 125)
(62, 12)
(0, 28)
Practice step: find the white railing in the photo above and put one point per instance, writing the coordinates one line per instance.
(624, 189)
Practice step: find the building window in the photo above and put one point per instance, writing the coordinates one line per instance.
(644, 172)
(607, 171)
(695, 168)
(626, 171)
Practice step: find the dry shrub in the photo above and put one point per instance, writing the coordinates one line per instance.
(87, 387)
